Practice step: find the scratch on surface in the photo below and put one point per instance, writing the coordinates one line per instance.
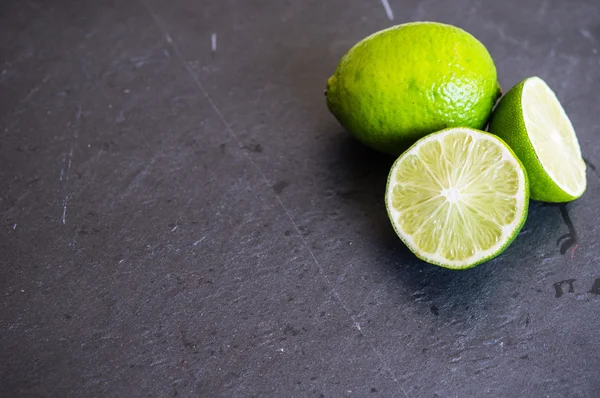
(174, 228)
(388, 9)
(573, 251)
(199, 241)
(139, 176)
(144, 60)
(31, 93)
(158, 362)
(65, 171)
(91, 33)
(2, 75)
(66, 177)
(15, 226)
(253, 164)
(64, 213)
(213, 42)
(511, 40)
(344, 272)
(586, 33)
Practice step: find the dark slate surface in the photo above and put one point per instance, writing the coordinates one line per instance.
(181, 221)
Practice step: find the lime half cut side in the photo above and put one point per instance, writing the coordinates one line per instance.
(532, 121)
(457, 197)
(553, 137)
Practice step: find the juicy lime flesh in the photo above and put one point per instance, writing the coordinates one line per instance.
(456, 197)
(553, 137)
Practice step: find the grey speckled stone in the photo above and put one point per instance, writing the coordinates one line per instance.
(183, 219)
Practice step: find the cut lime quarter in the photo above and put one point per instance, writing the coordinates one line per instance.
(458, 197)
(530, 119)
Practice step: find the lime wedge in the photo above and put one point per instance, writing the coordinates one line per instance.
(457, 197)
(534, 124)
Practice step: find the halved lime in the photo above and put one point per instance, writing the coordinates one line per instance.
(534, 124)
(457, 197)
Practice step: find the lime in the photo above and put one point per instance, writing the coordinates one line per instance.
(410, 80)
(531, 120)
(457, 197)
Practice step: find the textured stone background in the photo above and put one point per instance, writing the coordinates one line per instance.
(180, 215)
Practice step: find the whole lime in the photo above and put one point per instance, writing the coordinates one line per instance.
(410, 80)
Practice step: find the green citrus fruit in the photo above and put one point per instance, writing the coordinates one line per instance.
(457, 197)
(531, 120)
(410, 80)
